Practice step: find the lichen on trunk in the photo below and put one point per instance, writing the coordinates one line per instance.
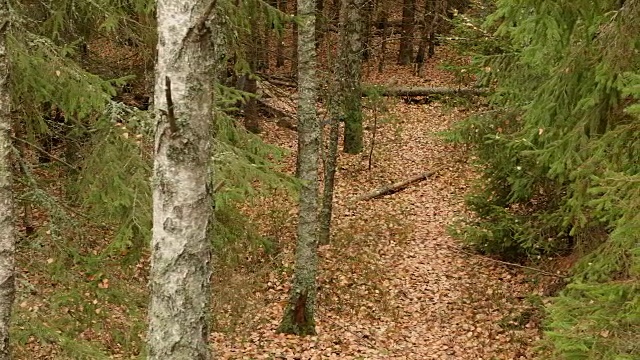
(7, 227)
(351, 58)
(299, 315)
(182, 201)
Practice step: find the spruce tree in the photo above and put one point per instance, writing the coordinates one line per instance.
(559, 156)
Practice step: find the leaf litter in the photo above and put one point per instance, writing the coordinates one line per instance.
(392, 283)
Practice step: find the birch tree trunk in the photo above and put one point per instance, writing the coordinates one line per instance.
(299, 314)
(182, 200)
(7, 230)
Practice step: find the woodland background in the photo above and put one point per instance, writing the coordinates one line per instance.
(524, 113)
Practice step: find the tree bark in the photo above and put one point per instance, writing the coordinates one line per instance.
(182, 199)
(352, 94)
(408, 25)
(346, 88)
(367, 14)
(432, 10)
(256, 56)
(383, 22)
(295, 36)
(7, 226)
(299, 314)
(282, 6)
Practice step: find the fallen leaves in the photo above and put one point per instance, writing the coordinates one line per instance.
(391, 283)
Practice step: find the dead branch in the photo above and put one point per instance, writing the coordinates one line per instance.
(542, 272)
(395, 187)
(45, 152)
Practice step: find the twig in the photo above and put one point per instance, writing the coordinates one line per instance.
(543, 272)
(218, 186)
(44, 152)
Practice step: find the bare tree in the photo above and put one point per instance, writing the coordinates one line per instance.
(299, 314)
(182, 200)
(7, 227)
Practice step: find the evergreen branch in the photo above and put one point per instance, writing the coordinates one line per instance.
(44, 152)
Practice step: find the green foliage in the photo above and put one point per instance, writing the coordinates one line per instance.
(558, 153)
(65, 21)
(113, 184)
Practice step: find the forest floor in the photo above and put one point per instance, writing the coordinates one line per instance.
(393, 284)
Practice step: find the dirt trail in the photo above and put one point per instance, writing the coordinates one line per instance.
(451, 305)
(393, 284)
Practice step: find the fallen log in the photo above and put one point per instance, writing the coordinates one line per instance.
(395, 187)
(272, 111)
(426, 91)
(283, 119)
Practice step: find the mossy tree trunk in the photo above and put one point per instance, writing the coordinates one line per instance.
(182, 200)
(345, 87)
(299, 314)
(7, 227)
(351, 46)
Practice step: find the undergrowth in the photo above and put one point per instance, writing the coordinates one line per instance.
(557, 149)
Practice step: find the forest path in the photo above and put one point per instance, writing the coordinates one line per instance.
(393, 284)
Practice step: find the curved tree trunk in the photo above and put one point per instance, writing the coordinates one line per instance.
(7, 227)
(299, 314)
(182, 200)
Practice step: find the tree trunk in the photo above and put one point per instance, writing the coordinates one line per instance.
(182, 200)
(299, 314)
(256, 56)
(432, 11)
(282, 6)
(408, 24)
(352, 102)
(383, 23)
(346, 88)
(251, 118)
(320, 23)
(7, 227)
(295, 52)
(368, 10)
